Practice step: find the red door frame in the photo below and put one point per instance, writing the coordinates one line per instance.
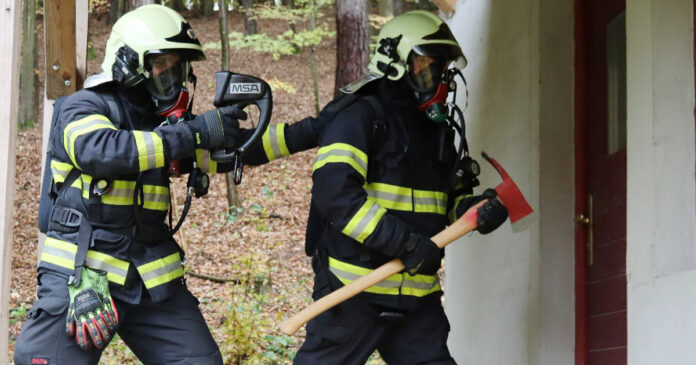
(580, 182)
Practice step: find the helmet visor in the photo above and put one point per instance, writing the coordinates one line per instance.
(429, 63)
(168, 73)
(426, 72)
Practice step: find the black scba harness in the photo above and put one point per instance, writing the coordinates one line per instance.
(464, 168)
(62, 215)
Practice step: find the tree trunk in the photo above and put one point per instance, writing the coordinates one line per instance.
(206, 7)
(232, 196)
(291, 5)
(178, 5)
(399, 7)
(116, 9)
(138, 3)
(28, 79)
(352, 41)
(313, 58)
(386, 8)
(249, 24)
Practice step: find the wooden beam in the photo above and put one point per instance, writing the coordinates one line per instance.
(446, 6)
(10, 38)
(61, 67)
(80, 20)
(81, 39)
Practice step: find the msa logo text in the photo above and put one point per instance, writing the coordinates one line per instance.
(245, 88)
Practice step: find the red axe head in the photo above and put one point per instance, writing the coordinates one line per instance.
(521, 214)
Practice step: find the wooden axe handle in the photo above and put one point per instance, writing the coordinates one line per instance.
(462, 226)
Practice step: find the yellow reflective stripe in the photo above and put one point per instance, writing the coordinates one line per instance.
(274, 142)
(58, 261)
(164, 278)
(62, 245)
(60, 170)
(102, 263)
(161, 270)
(204, 161)
(150, 150)
(416, 292)
(57, 258)
(364, 222)
(390, 196)
(81, 127)
(62, 253)
(342, 153)
(406, 199)
(121, 193)
(427, 201)
(123, 265)
(156, 197)
(452, 215)
(280, 128)
(402, 283)
(159, 263)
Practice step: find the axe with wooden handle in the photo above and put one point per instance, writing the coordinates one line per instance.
(508, 193)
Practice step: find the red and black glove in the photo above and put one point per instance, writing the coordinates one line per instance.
(92, 316)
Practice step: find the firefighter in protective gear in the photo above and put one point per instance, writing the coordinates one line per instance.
(109, 263)
(380, 190)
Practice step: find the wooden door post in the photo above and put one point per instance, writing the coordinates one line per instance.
(10, 37)
(65, 33)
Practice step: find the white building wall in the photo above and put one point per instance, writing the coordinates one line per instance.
(661, 220)
(510, 297)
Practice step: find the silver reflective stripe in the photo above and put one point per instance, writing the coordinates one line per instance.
(101, 265)
(406, 283)
(371, 213)
(161, 271)
(120, 192)
(337, 152)
(420, 285)
(157, 198)
(61, 174)
(431, 201)
(398, 198)
(91, 262)
(59, 253)
(150, 148)
(352, 277)
(273, 137)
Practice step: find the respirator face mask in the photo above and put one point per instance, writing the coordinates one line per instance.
(432, 67)
(166, 84)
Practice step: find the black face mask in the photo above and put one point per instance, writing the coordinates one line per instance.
(166, 86)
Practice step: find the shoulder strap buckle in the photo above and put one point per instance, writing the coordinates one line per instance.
(66, 217)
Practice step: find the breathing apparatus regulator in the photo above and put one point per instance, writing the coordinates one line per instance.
(433, 102)
(419, 47)
(154, 46)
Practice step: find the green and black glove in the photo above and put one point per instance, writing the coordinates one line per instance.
(91, 311)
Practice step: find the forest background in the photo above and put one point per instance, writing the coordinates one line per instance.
(245, 248)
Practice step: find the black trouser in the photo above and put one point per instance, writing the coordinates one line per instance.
(350, 332)
(168, 332)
